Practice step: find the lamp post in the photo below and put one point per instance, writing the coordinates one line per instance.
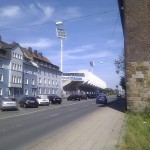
(92, 64)
(60, 32)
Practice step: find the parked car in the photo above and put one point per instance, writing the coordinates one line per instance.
(74, 97)
(8, 104)
(91, 96)
(119, 95)
(101, 99)
(53, 99)
(28, 102)
(42, 100)
(83, 96)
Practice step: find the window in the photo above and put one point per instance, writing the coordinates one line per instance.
(14, 81)
(20, 80)
(56, 83)
(1, 77)
(33, 92)
(40, 81)
(26, 92)
(20, 68)
(26, 80)
(39, 71)
(21, 57)
(53, 82)
(13, 54)
(49, 81)
(33, 82)
(1, 91)
(44, 81)
(13, 66)
(53, 91)
(44, 90)
(49, 91)
(39, 90)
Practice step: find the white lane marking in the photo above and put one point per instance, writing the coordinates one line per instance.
(52, 115)
(72, 109)
(28, 113)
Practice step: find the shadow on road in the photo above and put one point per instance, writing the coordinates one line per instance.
(117, 104)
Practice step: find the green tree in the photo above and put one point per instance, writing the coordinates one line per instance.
(120, 69)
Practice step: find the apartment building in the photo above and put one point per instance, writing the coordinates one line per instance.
(25, 72)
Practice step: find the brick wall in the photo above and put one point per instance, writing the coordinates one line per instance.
(137, 51)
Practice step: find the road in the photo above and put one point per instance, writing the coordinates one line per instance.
(25, 128)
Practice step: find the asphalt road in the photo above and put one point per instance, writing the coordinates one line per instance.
(23, 128)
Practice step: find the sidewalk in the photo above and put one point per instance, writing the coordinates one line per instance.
(101, 130)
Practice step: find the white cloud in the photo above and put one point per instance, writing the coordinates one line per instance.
(68, 13)
(10, 11)
(88, 55)
(40, 43)
(73, 12)
(80, 49)
(85, 52)
(47, 10)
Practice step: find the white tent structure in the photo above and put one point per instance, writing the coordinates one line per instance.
(82, 80)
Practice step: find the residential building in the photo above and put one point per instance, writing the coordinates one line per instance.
(11, 59)
(24, 72)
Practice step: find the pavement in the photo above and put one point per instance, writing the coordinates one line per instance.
(101, 130)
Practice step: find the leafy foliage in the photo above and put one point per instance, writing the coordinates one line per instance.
(120, 69)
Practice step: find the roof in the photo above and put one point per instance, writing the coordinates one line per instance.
(33, 55)
(6, 46)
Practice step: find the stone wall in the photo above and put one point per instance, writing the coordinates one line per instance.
(137, 53)
(138, 85)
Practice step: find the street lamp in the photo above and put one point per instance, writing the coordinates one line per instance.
(92, 64)
(60, 32)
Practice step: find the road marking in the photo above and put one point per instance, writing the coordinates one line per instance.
(52, 115)
(72, 109)
(28, 113)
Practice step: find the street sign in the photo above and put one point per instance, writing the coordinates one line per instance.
(61, 33)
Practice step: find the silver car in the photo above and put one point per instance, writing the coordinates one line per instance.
(8, 104)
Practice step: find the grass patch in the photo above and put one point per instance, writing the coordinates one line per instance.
(137, 132)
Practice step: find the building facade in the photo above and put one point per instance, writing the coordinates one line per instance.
(24, 72)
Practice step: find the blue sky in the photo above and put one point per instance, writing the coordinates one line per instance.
(96, 38)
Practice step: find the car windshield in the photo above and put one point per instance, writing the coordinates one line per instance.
(5, 99)
(31, 98)
(102, 94)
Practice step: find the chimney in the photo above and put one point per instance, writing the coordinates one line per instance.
(30, 49)
(40, 54)
(35, 52)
